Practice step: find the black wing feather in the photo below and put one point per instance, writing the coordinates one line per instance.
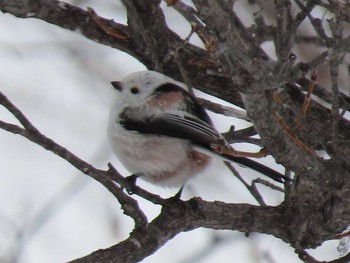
(187, 128)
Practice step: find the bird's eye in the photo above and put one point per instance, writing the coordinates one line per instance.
(134, 90)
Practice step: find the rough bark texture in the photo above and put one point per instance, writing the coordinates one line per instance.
(317, 201)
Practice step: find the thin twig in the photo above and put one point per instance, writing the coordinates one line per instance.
(191, 15)
(242, 135)
(251, 188)
(106, 28)
(267, 184)
(337, 31)
(317, 25)
(224, 110)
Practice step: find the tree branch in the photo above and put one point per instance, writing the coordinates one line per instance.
(178, 216)
(30, 132)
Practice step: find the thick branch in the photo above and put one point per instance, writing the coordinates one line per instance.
(178, 216)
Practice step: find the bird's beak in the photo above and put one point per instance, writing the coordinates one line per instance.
(117, 85)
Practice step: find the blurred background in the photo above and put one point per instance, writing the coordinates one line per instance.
(50, 212)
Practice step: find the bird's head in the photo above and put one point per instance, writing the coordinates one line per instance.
(139, 86)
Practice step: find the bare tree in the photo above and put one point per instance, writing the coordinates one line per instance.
(275, 92)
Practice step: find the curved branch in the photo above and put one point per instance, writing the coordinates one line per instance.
(178, 216)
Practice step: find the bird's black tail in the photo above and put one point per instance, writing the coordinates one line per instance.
(267, 171)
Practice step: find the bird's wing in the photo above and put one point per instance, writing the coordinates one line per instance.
(186, 120)
(185, 127)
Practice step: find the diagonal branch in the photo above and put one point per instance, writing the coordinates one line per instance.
(33, 134)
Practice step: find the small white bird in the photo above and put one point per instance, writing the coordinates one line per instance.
(158, 129)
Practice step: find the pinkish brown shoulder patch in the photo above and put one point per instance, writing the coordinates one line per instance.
(166, 100)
